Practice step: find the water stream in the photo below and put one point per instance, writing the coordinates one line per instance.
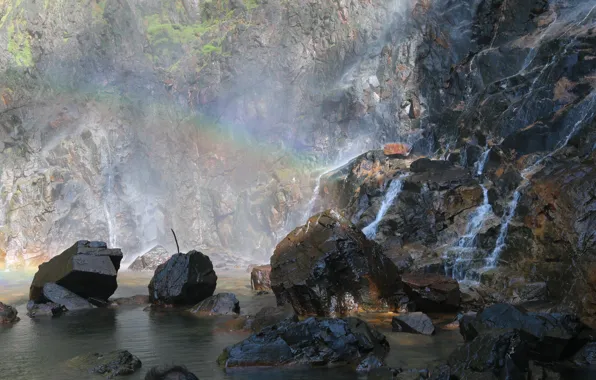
(109, 185)
(395, 187)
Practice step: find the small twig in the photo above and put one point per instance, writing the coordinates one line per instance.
(176, 239)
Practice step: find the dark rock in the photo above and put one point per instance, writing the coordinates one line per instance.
(260, 277)
(219, 304)
(426, 164)
(539, 372)
(185, 279)
(87, 269)
(328, 267)
(262, 293)
(57, 294)
(418, 323)
(139, 299)
(314, 341)
(150, 260)
(432, 292)
(268, 316)
(370, 363)
(48, 309)
(8, 314)
(170, 373)
(586, 356)
(110, 365)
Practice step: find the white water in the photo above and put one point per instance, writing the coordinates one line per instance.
(482, 162)
(107, 192)
(395, 187)
(476, 221)
(500, 245)
(313, 200)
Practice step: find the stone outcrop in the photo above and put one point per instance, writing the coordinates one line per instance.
(185, 279)
(219, 304)
(260, 277)
(112, 364)
(88, 269)
(417, 323)
(314, 342)
(8, 314)
(432, 292)
(328, 267)
(150, 260)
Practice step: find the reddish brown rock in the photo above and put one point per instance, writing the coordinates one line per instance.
(432, 292)
(259, 277)
(396, 149)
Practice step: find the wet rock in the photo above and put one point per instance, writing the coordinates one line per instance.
(185, 279)
(48, 309)
(150, 260)
(8, 314)
(328, 267)
(110, 365)
(539, 372)
(268, 316)
(396, 149)
(432, 292)
(370, 363)
(219, 304)
(586, 356)
(87, 269)
(417, 323)
(62, 296)
(314, 341)
(260, 277)
(170, 373)
(426, 164)
(139, 299)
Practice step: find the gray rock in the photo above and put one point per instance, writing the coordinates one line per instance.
(219, 304)
(8, 314)
(48, 309)
(268, 316)
(110, 365)
(418, 323)
(150, 260)
(62, 296)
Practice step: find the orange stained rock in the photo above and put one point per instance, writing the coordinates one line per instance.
(392, 149)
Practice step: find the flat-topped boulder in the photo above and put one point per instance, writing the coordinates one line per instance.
(328, 267)
(185, 279)
(88, 269)
(416, 323)
(150, 260)
(432, 292)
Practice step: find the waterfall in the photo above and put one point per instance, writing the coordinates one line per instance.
(482, 162)
(315, 195)
(395, 188)
(107, 192)
(494, 256)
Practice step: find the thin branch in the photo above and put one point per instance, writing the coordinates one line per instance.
(176, 239)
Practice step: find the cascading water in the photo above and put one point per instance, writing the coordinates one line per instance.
(109, 185)
(482, 162)
(313, 200)
(395, 187)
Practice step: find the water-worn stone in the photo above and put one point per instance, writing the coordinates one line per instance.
(170, 373)
(314, 341)
(418, 323)
(328, 267)
(110, 365)
(62, 296)
(268, 316)
(432, 292)
(185, 279)
(48, 309)
(260, 277)
(150, 260)
(219, 304)
(87, 269)
(8, 314)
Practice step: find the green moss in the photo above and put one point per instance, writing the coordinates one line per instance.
(209, 48)
(251, 4)
(19, 45)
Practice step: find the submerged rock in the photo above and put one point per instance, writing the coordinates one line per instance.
(48, 309)
(87, 269)
(328, 267)
(150, 260)
(432, 292)
(61, 296)
(260, 277)
(185, 279)
(170, 373)
(8, 314)
(219, 304)
(139, 299)
(418, 323)
(314, 341)
(110, 365)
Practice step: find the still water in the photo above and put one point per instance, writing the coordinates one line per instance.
(39, 348)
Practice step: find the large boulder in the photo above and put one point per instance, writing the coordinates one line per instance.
(219, 304)
(328, 267)
(417, 323)
(58, 295)
(110, 365)
(150, 260)
(260, 277)
(185, 279)
(314, 341)
(88, 269)
(432, 292)
(8, 314)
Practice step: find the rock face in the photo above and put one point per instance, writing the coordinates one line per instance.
(48, 309)
(417, 323)
(185, 279)
(219, 304)
(8, 314)
(315, 342)
(327, 267)
(260, 277)
(110, 365)
(150, 260)
(58, 295)
(432, 292)
(170, 373)
(87, 269)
